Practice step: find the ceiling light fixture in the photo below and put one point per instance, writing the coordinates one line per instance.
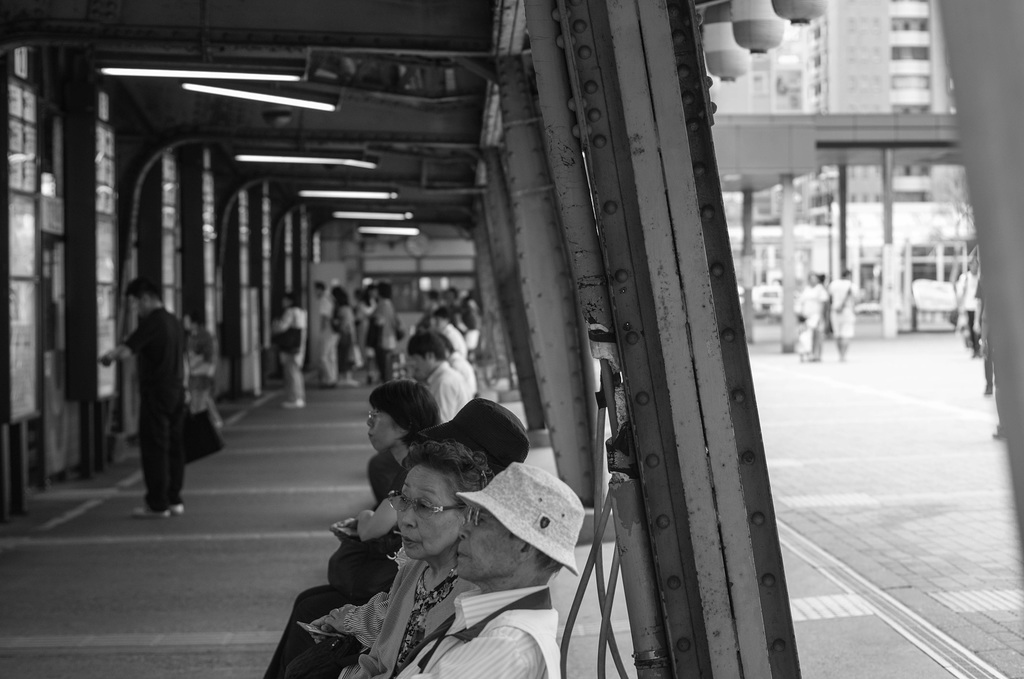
(305, 160)
(198, 75)
(389, 230)
(260, 96)
(360, 195)
(388, 216)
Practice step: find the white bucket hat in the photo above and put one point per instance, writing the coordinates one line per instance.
(535, 507)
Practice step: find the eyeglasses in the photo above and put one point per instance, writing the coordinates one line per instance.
(476, 514)
(422, 508)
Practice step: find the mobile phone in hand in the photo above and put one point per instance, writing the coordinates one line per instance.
(316, 631)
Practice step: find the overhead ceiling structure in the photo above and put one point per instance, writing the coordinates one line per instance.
(404, 83)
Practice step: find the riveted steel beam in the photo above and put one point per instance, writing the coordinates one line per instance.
(644, 114)
(493, 352)
(213, 29)
(572, 191)
(548, 284)
(499, 225)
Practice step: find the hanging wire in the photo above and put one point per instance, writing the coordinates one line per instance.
(606, 637)
(595, 561)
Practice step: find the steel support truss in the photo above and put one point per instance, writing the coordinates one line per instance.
(689, 435)
(547, 282)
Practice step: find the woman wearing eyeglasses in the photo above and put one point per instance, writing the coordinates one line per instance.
(422, 595)
(399, 410)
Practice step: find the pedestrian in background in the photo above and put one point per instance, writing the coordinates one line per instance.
(386, 328)
(202, 365)
(811, 314)
(843, 296)
(327, 356)
(967, 302)
(343, 323)
(427, 363)
(290, 338)
(365, 306)
(158, 344)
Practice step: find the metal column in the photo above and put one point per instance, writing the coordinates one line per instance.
(506, 276)
(788, 265)
(890, 263)
(747, 263)
(643, 112)
(548, 285)
(494, 333)
(844, 183)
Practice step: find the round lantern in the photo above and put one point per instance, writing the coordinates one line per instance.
(755, 25)
(724, 57)
(799, 11)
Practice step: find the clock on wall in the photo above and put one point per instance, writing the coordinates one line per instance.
(417, 245)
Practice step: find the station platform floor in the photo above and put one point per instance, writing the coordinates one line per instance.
(895, 512)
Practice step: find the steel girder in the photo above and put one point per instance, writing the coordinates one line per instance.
(498, 221)
(693, 435)
(548, 284)
(208, 30)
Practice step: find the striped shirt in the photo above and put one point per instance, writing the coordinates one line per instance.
(502, 651)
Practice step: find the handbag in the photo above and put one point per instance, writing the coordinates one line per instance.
(288, 340)
(200, 437)
(325, 660)
(358, 569)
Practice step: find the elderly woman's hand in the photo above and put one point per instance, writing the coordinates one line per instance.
(332, 622)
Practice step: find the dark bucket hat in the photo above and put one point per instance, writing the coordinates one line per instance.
(485, 426)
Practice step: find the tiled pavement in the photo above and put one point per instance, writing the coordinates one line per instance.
(895, 519)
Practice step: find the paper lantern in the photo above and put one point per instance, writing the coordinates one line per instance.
(724, 57)
(755, 25)
(799, 11)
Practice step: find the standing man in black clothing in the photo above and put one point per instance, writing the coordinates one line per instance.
(158, 345)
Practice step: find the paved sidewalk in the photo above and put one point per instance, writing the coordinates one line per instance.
(895, 514)
(885, 473)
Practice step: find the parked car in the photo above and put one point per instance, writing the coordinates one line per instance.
(767, 300)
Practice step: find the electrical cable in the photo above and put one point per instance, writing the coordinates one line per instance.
(604, 638)
(594, 560)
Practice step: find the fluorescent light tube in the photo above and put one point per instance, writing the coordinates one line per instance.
(390, 230)
(362, 195)
(305, 160)
(199, 75)
(388, 216)
(259, 96)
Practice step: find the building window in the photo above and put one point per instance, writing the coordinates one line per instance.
(901, 53)
(920, 25)
(911, 82)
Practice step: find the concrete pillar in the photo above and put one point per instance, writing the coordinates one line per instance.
(789, 329)
(747, 263)
(890, 262)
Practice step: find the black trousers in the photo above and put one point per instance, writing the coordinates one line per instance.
(311, 604)
(385, 365)
(161, 423)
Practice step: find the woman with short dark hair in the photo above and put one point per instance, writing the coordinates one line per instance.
(399, 410)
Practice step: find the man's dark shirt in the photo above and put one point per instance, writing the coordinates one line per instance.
(158, 345)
